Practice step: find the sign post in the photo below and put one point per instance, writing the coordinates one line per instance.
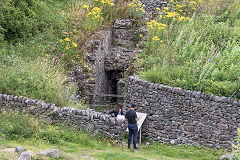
(141, 119)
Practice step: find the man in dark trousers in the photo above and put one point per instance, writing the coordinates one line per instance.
(132, 119)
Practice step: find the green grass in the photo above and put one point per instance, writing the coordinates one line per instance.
(202, 54)
(35, 134)
(31, 65)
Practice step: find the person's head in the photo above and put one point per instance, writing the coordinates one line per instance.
(120, 105)
(116, 109)
(133, 106)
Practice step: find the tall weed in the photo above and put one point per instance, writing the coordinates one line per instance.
(39, 79)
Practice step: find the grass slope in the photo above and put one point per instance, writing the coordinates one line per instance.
(105, 152)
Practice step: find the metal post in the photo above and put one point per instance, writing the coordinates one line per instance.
(140, 136)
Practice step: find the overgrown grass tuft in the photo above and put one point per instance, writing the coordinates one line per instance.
(21, 125)
(38, 79)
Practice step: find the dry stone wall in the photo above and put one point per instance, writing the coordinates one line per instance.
(83, 119)
(122, 45)
(184, 117)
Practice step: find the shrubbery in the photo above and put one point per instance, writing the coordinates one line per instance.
(23, 18)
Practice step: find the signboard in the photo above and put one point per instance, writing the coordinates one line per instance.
(141, 118)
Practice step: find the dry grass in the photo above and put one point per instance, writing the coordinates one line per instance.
(214, 7)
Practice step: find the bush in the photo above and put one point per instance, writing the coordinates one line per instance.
(24, 18)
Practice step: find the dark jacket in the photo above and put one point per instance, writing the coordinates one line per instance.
(116, 113)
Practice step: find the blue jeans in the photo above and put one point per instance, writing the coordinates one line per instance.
(133, 130)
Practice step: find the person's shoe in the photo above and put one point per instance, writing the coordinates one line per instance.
(136, 149)
(129, 148)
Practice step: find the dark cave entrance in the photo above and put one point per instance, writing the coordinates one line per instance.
(113, 78)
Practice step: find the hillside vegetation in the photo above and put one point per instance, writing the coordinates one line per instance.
(195, 45)
(191, 44)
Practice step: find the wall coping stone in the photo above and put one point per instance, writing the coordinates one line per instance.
(181, 92)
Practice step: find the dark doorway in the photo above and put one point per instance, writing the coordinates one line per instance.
(113, 78)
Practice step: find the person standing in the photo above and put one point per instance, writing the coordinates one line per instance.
(131, 117)
(117, 110)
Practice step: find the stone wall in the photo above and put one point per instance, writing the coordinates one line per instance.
(122, 45)
(84, 119)
(184, 117)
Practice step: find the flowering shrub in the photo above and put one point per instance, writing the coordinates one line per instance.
(155, 31)
(178, 11)
(136, 9)
(93, 19)
(67, 46)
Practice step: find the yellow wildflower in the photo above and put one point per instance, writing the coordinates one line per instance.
(67, 39)
(193, 2)
(181, 18)
(155, 38)
(74, 44)
(86, 7)
(165, 8)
